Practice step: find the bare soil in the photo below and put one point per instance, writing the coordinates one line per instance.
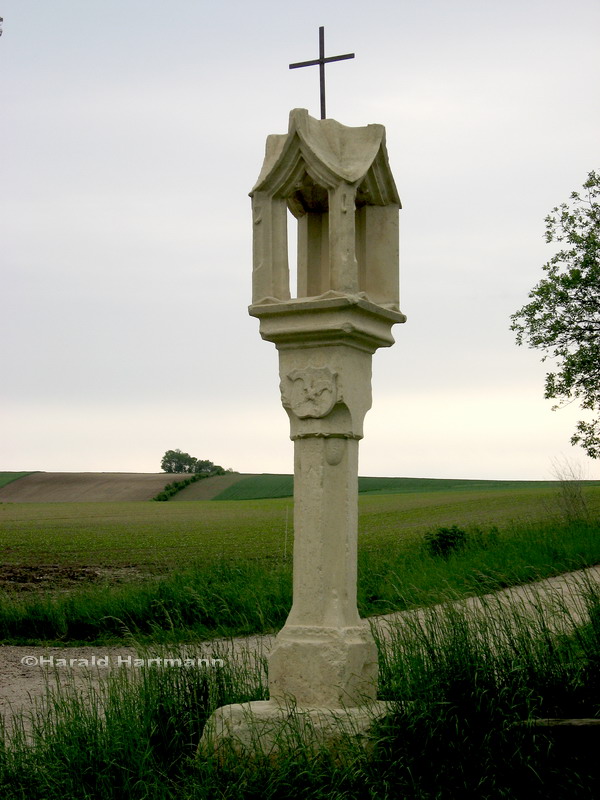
(92, 487)
(208, 488)
(57, 577)
(82, 487)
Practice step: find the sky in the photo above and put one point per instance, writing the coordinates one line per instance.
(131, 132)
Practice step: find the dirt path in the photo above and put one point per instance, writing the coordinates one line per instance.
(25, 672)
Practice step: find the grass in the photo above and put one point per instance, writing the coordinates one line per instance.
(151, 536)
(229, 597)
(222, 600)
(171, 571)
(457, 692)
(458, 684)
(418, 485)
(158, 536)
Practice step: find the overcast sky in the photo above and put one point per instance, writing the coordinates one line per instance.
(132, 132)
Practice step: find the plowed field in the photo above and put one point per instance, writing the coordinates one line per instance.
(84, 487)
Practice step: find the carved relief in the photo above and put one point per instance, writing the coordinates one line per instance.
(311, 392)
(334, 451)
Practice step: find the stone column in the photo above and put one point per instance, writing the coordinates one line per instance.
(323, 665)
(325, 655)
(342, 239)
(270, 272)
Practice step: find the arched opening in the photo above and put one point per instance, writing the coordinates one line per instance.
(310, 206)
(292, 249)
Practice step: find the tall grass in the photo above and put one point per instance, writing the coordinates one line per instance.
(229, 597)
(473, 678)
(400, 578)
(134, 734)
(223, 599)
(459, 686)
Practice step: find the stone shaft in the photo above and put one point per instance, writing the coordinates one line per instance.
(325, 655)
(325, 532)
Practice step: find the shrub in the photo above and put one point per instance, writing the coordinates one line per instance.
(172, 488)
(444, 541)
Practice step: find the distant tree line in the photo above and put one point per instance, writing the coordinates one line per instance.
(176, 461)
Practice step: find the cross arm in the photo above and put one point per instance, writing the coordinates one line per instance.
(321, 61)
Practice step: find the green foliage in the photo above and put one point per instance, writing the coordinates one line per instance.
(563, 318)
(444, 541)
(176, 461)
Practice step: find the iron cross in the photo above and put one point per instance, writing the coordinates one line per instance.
(321, 61)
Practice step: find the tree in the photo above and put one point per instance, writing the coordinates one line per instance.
(176, 461)
(206, 467)
(563, 318)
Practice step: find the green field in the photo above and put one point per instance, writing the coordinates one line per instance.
(256, 487)
(83, 572)
(171, 535)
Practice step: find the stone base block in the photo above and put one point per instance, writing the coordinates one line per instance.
(324, 667)
(267, 729)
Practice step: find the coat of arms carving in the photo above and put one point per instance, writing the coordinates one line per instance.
(311, 392)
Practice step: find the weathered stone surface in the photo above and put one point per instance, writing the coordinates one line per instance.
(266, 728)
(338, 184)
(324, 667)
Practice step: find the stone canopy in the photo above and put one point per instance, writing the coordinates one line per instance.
(329, 152)
(336, 181)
